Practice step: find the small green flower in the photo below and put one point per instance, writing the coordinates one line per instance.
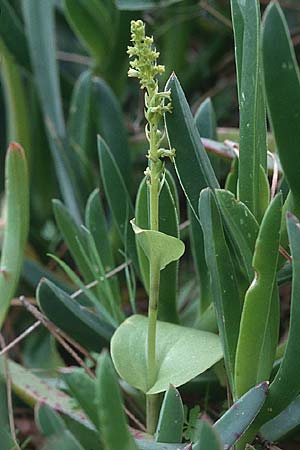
(144, 66)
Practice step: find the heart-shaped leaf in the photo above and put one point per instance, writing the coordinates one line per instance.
(158, 246)
(182, 353)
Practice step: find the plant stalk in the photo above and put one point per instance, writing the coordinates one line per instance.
(153, 400)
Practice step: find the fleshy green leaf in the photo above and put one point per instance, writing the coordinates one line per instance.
(83, 325)
(64, 441)
(138, 5)
(94, 23)
(109, 123)
(206, 438)
(40, 33)
(32, 390)
(171, 418)
(286, 385)
(158, 246)
(114, 429)
(82, 387)
(182, 353)
(239, 417)
(115, 189)
(223, 278)
(48, 421)
(253, 149)
(242, 223)
(282, 85)
(251, 363)
(16, 224)
(192, 163)
(282, 424)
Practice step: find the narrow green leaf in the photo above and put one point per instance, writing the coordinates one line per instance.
(115, 190)
(7, 441)
(83, 325)
(282, 86)
(232, 425)
(242, 224)
(79, 131)
(73, 236)
(192, 163)
(282, 424)
(93, 23)
(138, 5)
(16, 224)
(171, 418)
(109, 123)
(250, 364)
(223, 278)
(17, 117)
(286, 386)
(168, 224)
(205, 119)
(64, 441)
(206, 437)
(182, 353)
(97, 225)
(12, 34)
(158, 246)
(253, 149)
(198, 252)
(112, 420)
(40, 33)
(82, 387)
(32, 390)
(48, 421)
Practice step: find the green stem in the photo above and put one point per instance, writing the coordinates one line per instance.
(152, 400)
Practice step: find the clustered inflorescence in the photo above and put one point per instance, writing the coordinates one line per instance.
(144, 67)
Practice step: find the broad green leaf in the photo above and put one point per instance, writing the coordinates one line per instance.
(12, 34)
(82, 388)
(242, 223)
(97, 225)
(159, 247)
(40, 33)
(115, 189)
(32, 390)
(168, 224)
(139, 5)
(253, 147)
(250, 363)
(223, 278)
(18, 125)
(114, 429)
(171, 418)
(82, 325)
(192, 163)
(286, 386)
(109, 124)
(182, 353)
(206, 437)
(16, 224)
(48, 421)
(239, 417)
(282, 86)
(282, 424)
